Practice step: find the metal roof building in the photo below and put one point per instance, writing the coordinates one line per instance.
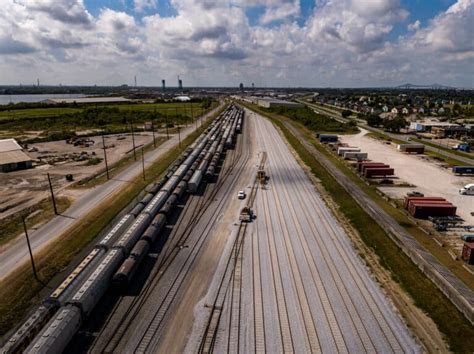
(12, 157)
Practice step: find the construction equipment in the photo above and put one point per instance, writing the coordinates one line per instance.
(246, 214)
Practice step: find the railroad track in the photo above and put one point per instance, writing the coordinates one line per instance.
(173, 285)
(232, 276)
(301, 244)
(167, 257)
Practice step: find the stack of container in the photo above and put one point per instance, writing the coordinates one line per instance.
(423, 207)
(374, 169)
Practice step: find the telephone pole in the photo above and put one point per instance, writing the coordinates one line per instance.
(105, 157)
(166, 122)
(29, 248)
(179, 135)
(52, 194)
(143, 164)
(133, 143)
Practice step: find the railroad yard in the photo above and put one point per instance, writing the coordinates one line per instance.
(194, 267)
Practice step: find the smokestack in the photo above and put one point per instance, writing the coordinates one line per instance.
(135, 80)
(38, 82)
(163, 85)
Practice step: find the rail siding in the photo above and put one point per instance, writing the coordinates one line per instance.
(459, 294)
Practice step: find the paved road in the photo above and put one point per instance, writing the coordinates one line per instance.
(17, 253)
(303, 287)
(337, 116)
(446, 281)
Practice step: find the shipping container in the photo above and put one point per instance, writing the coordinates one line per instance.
(361, 165)
(468, 252)
(463, 170)
(351, 155)
(425, 210)
(327, 138)
(467, 238)
(342, 150)
(409, 199)
(419, 148)
(379, 172)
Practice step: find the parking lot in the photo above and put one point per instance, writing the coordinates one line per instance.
(429, 176)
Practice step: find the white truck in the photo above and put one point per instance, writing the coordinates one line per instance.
(467, 190)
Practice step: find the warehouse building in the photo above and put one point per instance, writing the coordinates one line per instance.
(12, 157)
(271, 102)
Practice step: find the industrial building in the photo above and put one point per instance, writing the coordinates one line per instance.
(12, 157)
(83, 100)
(271, 102)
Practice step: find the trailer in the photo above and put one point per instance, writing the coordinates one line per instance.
(327, 138)
(342, 150)
(379, 172)
(463, 170)
(351, 155)
(411, 148)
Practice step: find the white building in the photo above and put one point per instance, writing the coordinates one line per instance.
(12, 157)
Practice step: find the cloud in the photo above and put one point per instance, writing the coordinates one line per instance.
(67, 11)
(212, 42)
(9, 45)
(142, 5)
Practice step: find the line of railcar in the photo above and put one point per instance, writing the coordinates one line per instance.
(123, 247)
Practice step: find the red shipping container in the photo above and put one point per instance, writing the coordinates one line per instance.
(468, 252)
(429, 202)
(379, 171)
(409, 199)
(424, 210)
(364, 165)
(418, 150)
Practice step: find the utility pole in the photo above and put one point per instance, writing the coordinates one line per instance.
(105, 157)
(166, 122)
(179, 135)
(153, 129)
(192, 116)
(52, 194)
(143, 164)
(133, 143)
(29, 248)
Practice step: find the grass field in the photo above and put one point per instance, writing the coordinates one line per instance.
(19, 291)
(426, 295)
(171, 108)
(13, 226)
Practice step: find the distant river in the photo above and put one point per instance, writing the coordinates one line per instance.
(6, 99)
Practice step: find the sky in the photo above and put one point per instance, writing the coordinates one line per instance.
(284, 43)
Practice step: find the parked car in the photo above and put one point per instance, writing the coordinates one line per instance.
(241, 195)
(467, 190)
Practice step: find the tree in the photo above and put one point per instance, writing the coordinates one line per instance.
(374, 120)
(346, 113)
(396, 124)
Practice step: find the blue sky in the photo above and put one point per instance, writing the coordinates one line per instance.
(348, 43)
(422, 10)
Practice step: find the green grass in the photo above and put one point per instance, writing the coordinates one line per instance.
(20, 290)
(455, 152)
(425, 294)
(12, 226)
